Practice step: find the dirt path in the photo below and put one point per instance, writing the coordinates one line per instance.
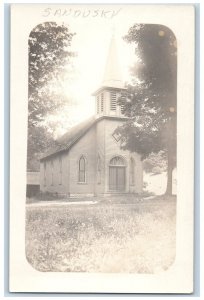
(59, 203)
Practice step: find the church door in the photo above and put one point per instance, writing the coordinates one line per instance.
(117, 174)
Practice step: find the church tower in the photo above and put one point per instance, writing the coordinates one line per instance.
(115, 168)
(112, 86)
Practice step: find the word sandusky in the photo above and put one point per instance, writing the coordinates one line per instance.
(84, 13)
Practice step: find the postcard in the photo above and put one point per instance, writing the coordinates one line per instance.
(102, 148)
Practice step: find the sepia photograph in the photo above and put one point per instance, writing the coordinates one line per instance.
(100, 187)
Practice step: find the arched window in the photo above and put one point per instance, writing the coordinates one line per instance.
(132, 171)
(45, 173)
(98, 170)
(52, 172)
(82, 169)
(117, 161)
(60, 170)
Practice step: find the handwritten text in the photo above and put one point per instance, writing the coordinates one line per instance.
(76, 13)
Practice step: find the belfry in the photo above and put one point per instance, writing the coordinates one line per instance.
(112, 85)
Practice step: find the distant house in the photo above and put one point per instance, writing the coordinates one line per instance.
(88, 160)
(33, 184)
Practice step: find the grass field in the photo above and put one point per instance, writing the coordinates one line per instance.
(119, 236)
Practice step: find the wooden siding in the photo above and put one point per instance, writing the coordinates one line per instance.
(98, 141)
(33, 178)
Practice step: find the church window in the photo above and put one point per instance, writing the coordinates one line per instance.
(45, 175)
(99, 170)
(102, 102)
(60, 170)
(113, 101)
(132, 171)
(116, 136)
(117, 161)
(82, 169)
(52, 172)
(98, 105)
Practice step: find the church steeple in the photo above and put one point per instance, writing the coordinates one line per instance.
(113, 74)
(112, 85)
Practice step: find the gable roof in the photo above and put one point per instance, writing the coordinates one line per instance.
(65, 142)
(70, 138)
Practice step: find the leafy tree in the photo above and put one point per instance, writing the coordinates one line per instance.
(155, 163)
(50, 63)
(49, 57)
(39, 140)
(150, 102)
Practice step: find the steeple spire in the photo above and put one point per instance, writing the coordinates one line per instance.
(113, 74)
(108, 93)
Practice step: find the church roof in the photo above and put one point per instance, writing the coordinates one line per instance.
(70, 138)
(65, 142)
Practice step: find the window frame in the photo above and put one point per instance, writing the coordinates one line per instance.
(113, 161)
(132, 171)
(44, 173)
(60, 170)
(52, 172)
(98, 169)
(84, 171)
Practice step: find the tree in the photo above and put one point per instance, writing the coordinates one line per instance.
(150, 101)
(39, 140)
(49, 58)
(50, 62)
(155, 163)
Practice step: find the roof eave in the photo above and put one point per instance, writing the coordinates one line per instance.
(107, 87)
(67, 148)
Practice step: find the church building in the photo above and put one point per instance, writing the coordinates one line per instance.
(88, 160)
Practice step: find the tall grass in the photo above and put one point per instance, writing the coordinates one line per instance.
(105, 237)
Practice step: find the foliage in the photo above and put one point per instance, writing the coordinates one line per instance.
(39, 140)
(49, 57)
(155, 162)
(150, 102)
(130, 238)
(50, 63)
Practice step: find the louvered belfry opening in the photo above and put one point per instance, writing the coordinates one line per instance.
(113, 101)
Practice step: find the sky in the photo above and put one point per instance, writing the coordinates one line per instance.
(91, 43)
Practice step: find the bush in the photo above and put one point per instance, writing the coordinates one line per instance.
(155, 163)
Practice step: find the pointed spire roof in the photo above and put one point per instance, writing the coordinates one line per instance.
(113, 74)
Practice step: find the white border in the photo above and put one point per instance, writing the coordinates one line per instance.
(181, 272)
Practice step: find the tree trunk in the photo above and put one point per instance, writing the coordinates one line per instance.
(171, 152)
(169, 175)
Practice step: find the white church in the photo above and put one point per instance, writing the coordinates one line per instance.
(88, 160)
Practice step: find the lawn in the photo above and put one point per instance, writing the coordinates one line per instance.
(131, 236)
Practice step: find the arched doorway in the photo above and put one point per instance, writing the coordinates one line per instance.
(117, 172)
